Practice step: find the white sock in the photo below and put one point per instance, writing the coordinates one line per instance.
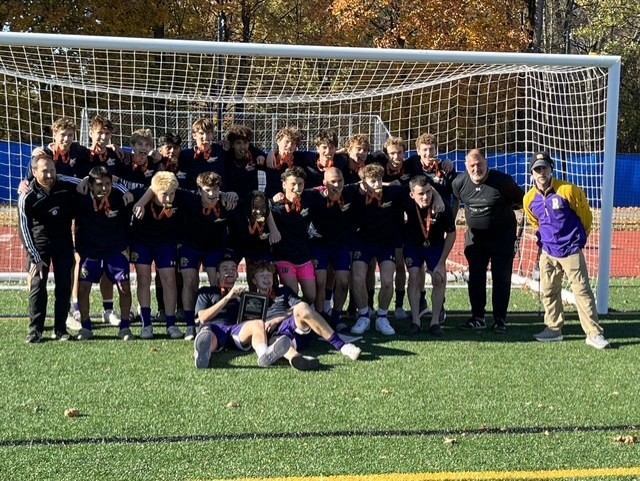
(261, 349)
(382, 313)
(363, 311)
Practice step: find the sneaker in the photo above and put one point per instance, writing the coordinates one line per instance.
(547, 335)
(174, 332)
(190, 335)
(147, 332)
(125, 334)
(362, 324)
(161, 317)
(84, 334)
(474, 324)
(73, 321)
(499, 326)
(351, 351)
(414, 329)
(275, 351)
(436, 331)
(304, 363)
(443, 315)
(62, 336)
(108, 316)
(202, 348)
(34, 337)
(384, 327)
(599, 342)
(400, 314)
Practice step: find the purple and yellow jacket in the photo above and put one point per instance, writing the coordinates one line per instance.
(561, 217)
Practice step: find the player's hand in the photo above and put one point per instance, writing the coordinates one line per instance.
(447, 166)
(229, 200)
(271, 159)
(278, 198)
(83, 186)
(156, 156)
(438, 203)
(117, 150)
(260, 160)
(270, 326)
(127, 198)
(138, 211)
(24, 188)
(235, 292)
(274, 237)
(36, 270)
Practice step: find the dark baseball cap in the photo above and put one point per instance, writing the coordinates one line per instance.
(540, 159)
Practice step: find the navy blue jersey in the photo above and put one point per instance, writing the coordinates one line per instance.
(435, 225)
(159, 225)
(331, 219)
(66, 163)
(203, 228)
(101, 225)
(138, 174)
(250, 240)
(280, 301)
(377, 222)
(437, 177)
(193, 162)
(108, 159)
(209, 296)
(308, 161)
(294, 245)
(241, 176)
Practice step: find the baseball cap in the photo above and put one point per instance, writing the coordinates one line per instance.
(540, 159)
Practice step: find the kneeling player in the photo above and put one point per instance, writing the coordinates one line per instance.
(101, 242)
(217, 310)
(289, 317)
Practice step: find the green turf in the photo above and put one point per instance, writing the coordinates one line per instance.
(148, 414)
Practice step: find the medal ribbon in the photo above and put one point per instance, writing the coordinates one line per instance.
(60, 155)
(425, 226)
(104, 205)
(163, 213)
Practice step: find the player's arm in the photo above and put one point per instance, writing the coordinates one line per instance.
(274, 233)
(209, 313)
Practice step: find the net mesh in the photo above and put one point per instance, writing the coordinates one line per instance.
(509, 111)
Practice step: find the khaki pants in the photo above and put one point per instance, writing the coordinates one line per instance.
(574, 266)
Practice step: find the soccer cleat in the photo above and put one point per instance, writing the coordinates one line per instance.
(599, 342)
(147, 332)
(435, 330)
(73, 321)
(174, 332)
(362, 324)
(351, 351)
(202, 348)
(474, 324)
(34, 337)
(190, 335)
(125, 334)
(275, 351)
(547, 335)
(384, 327)
(108, 316)
(84, 334)
(400, 314)
(499, 326)
(304, 363)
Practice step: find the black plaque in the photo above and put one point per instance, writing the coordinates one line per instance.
(252, 306)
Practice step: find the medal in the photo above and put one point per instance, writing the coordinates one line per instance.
(426, 243)
(425, 226)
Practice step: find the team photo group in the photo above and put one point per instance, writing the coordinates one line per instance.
(325, 234)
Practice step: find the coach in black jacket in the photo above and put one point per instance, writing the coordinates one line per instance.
(489, 197)
(45, 215)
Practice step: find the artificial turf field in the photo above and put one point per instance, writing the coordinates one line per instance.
(474, 405)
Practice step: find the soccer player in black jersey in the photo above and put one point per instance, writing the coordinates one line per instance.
(101, 239)
(217, 310)
(293, 253)
(207, 156)
(429, 238)
(139, 166)
(289, 316)
(45, 213)
(242, 161)
(282, 157)
(316, 163)
(489, 198)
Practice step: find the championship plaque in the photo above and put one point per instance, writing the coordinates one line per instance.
(252, 306)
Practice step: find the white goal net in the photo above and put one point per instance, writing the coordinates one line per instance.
(509, 105)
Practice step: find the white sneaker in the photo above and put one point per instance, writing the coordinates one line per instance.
(147, 332)
(275, 351)
(599, 342)
(125, 334)
(110, 317)
(351, 351)
(73, 321)
(84, 334)
(202, 348)
(174, 332)
(190, 334)
(362, 324)
(401, 314)
(383, 326)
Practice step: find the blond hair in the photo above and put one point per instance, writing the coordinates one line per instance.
(63, 124)
(206, 125)
(164, 181)
(142, 134)
(371, 171)
(397, 142)
(359, 139)
(426, 139)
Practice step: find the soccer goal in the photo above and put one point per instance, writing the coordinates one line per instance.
(510, 105)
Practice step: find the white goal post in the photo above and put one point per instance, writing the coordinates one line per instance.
(508, 104)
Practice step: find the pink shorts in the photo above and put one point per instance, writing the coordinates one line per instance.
(301, 272)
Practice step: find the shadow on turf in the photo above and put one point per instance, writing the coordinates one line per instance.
(482, 431)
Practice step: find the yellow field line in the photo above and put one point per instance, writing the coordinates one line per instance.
(467, 475)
